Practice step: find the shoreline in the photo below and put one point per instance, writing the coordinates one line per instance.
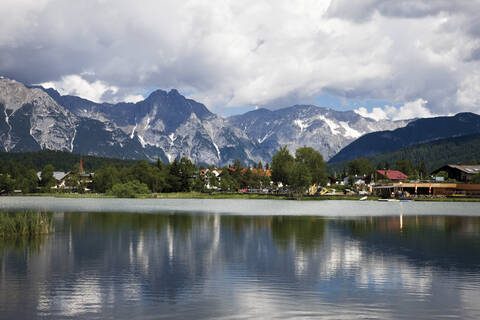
(199, 195)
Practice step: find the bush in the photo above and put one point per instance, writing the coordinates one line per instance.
(476, 178)
(129, 189)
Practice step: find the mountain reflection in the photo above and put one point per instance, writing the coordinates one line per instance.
(106, 262)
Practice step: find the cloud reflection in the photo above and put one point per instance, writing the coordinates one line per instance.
(126, 264)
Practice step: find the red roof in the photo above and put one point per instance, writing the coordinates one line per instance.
(262, 172)
(393, 174)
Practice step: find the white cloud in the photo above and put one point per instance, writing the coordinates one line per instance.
(409, 110)
(468, 93)
(376, 113)
(255, 52)
(96, 91)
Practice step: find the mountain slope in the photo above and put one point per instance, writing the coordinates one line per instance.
(416, 132)
(168, 121)
(31, 120)
(326, 130)
(463, 149)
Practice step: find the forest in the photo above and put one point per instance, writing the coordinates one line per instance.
(464, 149)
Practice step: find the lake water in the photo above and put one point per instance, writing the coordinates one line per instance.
(243, 259)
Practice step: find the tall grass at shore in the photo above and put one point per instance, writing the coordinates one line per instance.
(25, 223)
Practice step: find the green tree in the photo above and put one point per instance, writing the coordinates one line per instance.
(404, 166)
(386, 166)
(282, 166)
(227, 182)
(314, 163)
(187, 174)
(476, 178)
(47, 180)
(7, 184)
(361, 166)
(105, 178)
(423, 170)
(29, 182)
(173, 177)
(300, 177)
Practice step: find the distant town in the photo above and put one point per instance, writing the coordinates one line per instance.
(303, 174)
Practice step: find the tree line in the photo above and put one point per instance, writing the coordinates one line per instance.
(125, 178)
(364, 167)
(294, 173)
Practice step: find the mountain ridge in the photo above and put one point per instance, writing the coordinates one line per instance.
(416, 132)
(167, 125)
(462, 149)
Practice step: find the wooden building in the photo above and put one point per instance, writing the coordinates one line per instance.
(459, 172)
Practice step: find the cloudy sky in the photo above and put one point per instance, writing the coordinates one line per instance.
(384, 58)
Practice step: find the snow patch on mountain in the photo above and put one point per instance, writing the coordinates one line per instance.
(331, 124)
(350, 132)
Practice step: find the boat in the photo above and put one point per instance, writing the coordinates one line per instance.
(363, 198)
(389, 200)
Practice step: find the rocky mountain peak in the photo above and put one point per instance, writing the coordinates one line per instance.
(167, 125)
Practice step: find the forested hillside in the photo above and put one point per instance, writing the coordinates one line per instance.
(463, 149)
(416, 132)
(61, 161)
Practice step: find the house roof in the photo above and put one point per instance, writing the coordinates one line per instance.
(262, 172)
(393, 174)
(58, 175)
(466, 168)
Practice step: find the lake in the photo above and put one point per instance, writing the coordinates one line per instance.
(243, 259)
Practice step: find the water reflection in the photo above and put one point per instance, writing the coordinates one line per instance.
(197, 266)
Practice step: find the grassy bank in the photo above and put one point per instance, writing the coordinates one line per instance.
(223, 195)
(25, 223)
(68, 195)
(200, 195)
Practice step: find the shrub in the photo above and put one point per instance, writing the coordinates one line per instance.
(129, 189)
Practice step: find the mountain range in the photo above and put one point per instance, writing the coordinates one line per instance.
(167, 125)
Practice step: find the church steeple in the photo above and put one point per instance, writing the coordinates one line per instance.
(80, 167)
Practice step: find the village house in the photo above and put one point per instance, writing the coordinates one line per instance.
(216, 172)
(71, 181)
(60, 178)
(391, 175)
(459, 172)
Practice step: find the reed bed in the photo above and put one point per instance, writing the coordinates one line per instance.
(25, 223)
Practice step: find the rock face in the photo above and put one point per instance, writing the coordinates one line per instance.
(32, 120)
(325, 130)
(170, 124)
(167, 125)
(416, 132)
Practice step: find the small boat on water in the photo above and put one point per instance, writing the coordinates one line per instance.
(363, 198)
(389, 200)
